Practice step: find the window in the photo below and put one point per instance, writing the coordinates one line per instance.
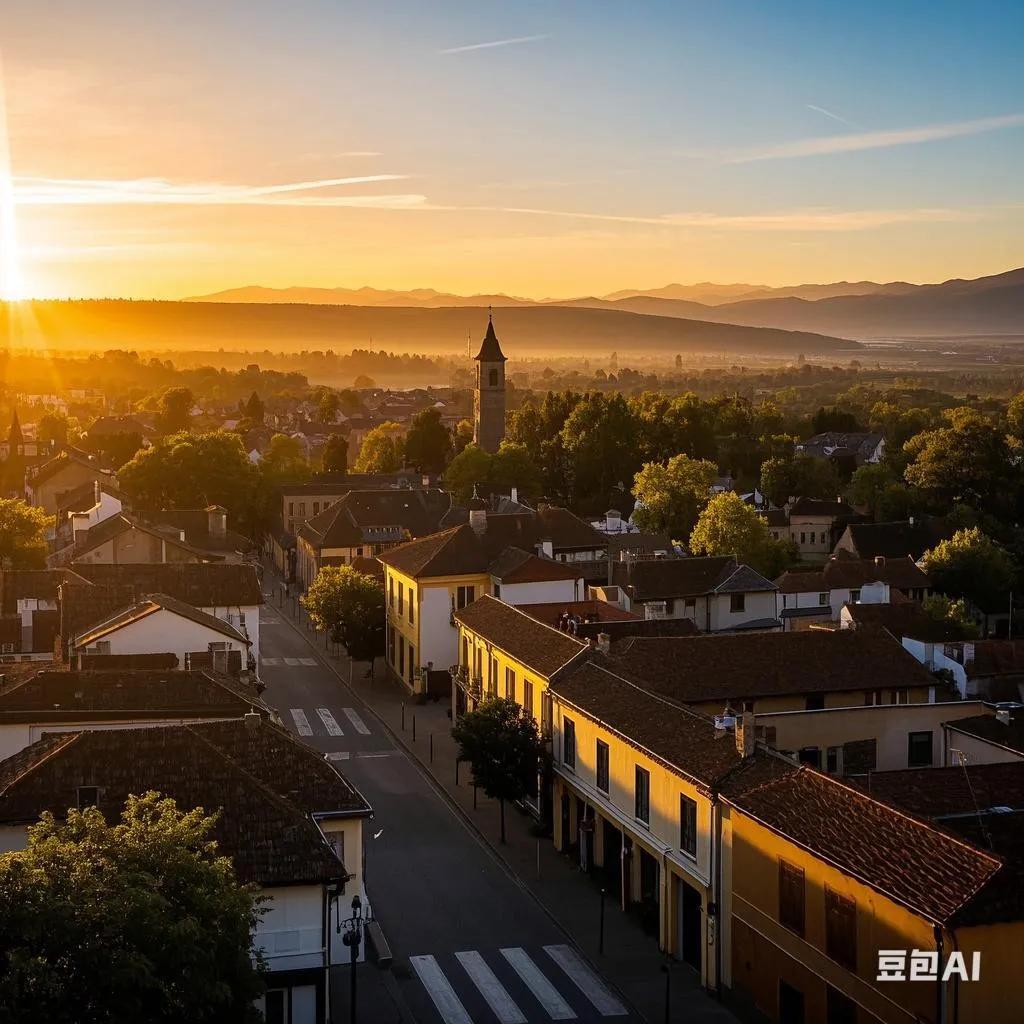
(401, 656)
(569, 743)
(814, 702)
(855, 596)
(737, 602)
(492, 679)
(401, 598)
(811, 756)
(291, 508)
(528, 696)
(872, 697)
(492, 379)
(602, 766)
(302, 509)
(687, 825)
(497, 591)
(391, 591)
(812, 536)
(803, 538)
(88, 796)
(791, 897)
(510, 684)
(412, 663)
(841, 929)
(823, 599)
(691, 605)
(412, 608)
(839, 1009)
(546, 713)
(391, 646)
(919, 750)
(642, 795)
(464, 596)
(316, 508)
(832, 760)
(275, 1006)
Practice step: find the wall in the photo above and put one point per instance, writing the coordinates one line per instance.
(888, 725)
(977, 750)
(757, 605)
(540, 592)
(345, 836)
(797, 701)
(291, 932)
(230, 615)
(801, 531)
(48, 495)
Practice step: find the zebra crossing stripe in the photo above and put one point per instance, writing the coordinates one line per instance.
(306, 661)
(293, 662)
(302, 722)
(546, 994)
(491, 989)
(586, 980)
(357, 723)
(332, 727)
(448, 1004)
(270, 662)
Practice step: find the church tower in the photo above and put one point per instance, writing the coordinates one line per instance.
(489, 396)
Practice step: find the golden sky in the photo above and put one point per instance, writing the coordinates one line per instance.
(166, 150)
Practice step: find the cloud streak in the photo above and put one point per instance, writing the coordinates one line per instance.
(494, 44)
(828, 113)
(855, 142)
(161, 192)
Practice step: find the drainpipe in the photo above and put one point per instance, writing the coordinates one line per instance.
(716, 885)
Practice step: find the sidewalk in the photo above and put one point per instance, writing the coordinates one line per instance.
(631, 960)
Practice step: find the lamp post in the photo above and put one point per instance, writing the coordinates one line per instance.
(353, 928)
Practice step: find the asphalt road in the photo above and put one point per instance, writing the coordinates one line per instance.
(469, 943)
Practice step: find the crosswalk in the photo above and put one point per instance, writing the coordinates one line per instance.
(554, 983)
(322, 721)
(289, 662)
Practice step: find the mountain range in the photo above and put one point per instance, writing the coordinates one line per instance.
(985, 307)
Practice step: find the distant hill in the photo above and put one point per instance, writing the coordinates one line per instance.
(524, 330)
(716, 294)
(425, 298)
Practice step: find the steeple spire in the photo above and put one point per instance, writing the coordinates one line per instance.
(15, 435)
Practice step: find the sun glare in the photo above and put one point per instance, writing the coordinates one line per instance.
(11, 285)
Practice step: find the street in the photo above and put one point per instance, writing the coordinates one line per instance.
(469, 942)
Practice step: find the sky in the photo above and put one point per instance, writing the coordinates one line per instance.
(162, 150)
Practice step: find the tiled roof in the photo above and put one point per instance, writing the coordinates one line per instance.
(38, 584)
(114, 426)
(203, 584)
(121, 523)
(937, 792)
(907, 860)
(906, 618)
(538, 646)
(819, 507)
(149, 606)
(550, 612)
(514, 565)
(842, 573)
(745, 666)
(895, 540)
(682, 738)
(352, 520)
(449, 553)
(743, 580)
(988, 727)
(61, 461)
(661, 578)
(267, 786)
(62, 693)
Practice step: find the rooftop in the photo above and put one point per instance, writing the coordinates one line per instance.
(846, 573)
(668, 578)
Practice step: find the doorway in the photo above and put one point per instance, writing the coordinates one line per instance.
(612, 863)
(689, 911)
(566, 824)
(791, 1004)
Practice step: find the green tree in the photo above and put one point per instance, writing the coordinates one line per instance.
(327, 407)
(285, 460)
(382, 450)
(52, 429)
(463, 436)
(335, 454)
(973, 566)
(192, 471)
(428, 445)
(728, 526)
(136, 921)
(954, 613)
(799, 476)
(670, 496)
(513, 466)
(869, 484)
(23, 535)
(470, 468)
(253, 409)
(499, 741)
(1015, 416)
(174, 410)
(348, 605)
(602, 438)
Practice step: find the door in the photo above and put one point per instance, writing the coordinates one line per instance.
(649, 885)
(791, 1004)
(689, 910)
(566, 816)
(612, 849)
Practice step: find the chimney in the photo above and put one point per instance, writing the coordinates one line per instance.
(612, 520)
(745, 737)
(515, 495)
(1003, 716)
(252, 719)
(478, 514)
(604, 643)
(216, 521)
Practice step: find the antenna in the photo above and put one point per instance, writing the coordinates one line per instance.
(961, 756)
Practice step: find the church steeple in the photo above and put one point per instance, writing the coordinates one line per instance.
(489, 394)
(15, 436)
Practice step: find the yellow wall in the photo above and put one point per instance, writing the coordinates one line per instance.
(798, 701)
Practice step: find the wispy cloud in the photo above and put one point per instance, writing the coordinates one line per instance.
(514, 41)
(830, 114)
(854, 142)
(161, 192)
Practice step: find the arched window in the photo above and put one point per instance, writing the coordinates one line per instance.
(492, 378)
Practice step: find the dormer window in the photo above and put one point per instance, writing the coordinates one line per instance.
(88, 796)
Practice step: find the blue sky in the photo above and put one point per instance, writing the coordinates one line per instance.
(597, 146)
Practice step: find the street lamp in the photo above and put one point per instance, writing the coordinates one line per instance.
(353, 927)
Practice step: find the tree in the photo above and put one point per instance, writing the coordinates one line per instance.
(463, 436)
(285, 460)
(670, 496)
(52, 429)
(1015, 416)
(327, 407)
(952, 613)
(728, 526)
(141, 920)
(23, 535)
(428, 445)
(470, 469)
(192, 471)
(513, 466)
(253, 409)
(869, 484)
(601, 436)
(499, 740)
(973, 566)
(349, 606)
(382, 450)
(335, 454)
(174, 410)
(833, 419)
(799, 476)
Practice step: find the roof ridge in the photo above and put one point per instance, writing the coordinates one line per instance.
(64, 740)
(525, 615)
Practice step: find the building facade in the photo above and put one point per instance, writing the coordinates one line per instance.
(489, 394)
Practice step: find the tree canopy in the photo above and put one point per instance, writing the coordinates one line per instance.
(728, 526)
(797, 476)
(335, 454)
(499, 740)
(174, 410)
(115, 923)
(382, 450)
(428, 445)
(23, 535)
(349, 606)
(510, 466)
(971, 565)
(670, 496)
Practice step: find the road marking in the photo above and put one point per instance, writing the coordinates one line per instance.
(307, 661)
(378, 753)
(302, 722)
(491, 989)
(332, 727)
(293, 662)
(270, 662)
(339, 755)
(586, 980)
(270, 622)
(547, 995)
(440, 990)
(353, 716)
